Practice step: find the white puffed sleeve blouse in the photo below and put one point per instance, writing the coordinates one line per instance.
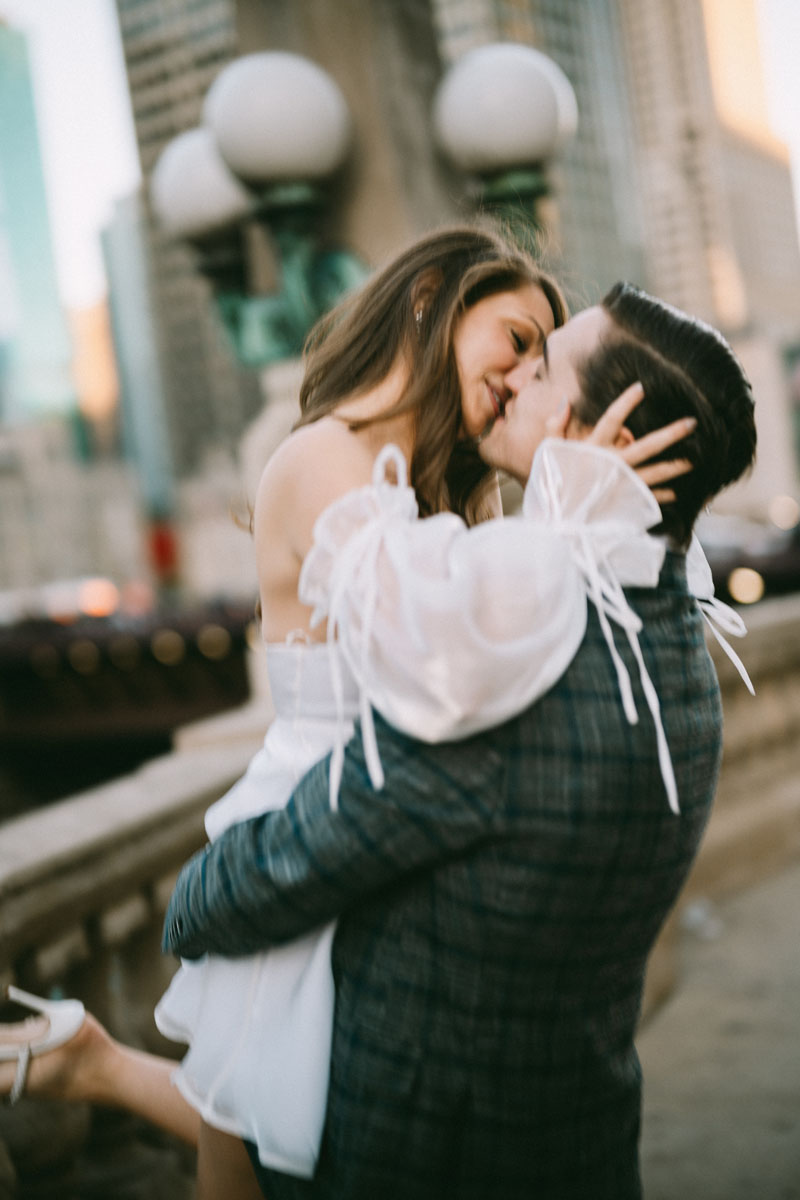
(449, 630)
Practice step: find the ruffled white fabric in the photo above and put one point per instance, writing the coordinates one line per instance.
(448, 631)
(718, 616)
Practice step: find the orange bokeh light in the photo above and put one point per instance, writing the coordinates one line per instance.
(98, 597)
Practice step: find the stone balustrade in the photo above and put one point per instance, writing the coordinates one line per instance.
(755, 827)
(88, 872)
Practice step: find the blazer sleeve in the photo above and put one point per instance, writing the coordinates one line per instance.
(279, 875)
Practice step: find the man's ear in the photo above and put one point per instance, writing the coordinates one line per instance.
(623, 438)
(560, 424)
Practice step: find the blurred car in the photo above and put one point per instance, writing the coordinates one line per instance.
(750, 560)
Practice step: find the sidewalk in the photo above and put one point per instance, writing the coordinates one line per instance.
(721, 1059)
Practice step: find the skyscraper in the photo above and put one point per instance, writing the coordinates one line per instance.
(668, 183)
(600, 221)
(130, 270)
(35, 350)
(720, 237)
(173, 51)
(756, 168)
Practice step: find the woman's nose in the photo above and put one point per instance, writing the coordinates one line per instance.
(519, 375)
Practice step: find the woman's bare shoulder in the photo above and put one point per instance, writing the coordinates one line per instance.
(328, 449)
(311, 468)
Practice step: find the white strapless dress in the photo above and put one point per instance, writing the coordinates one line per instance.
(259, 1028)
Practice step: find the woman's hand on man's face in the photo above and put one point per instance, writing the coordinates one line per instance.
(611, 432)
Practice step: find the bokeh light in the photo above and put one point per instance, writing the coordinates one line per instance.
(98, 597)
(745, 585)
(784, 511)
(214, 642)
(168, 647)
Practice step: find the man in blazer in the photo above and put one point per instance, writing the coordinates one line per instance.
(498, 899)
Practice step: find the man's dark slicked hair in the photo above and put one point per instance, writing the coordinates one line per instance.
(687, 369)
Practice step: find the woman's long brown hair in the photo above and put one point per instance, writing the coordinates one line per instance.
(354, 347)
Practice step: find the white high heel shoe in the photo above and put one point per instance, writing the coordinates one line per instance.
(65, 1018)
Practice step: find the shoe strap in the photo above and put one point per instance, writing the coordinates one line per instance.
(21, 1076)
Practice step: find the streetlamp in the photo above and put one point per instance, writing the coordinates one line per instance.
(275, 129)
(500, 113)
(197, 198)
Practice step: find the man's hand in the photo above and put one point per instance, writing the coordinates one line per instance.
(611, 432)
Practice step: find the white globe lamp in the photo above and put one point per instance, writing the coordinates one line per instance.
(502, 106)
(275, 127)
(193, 192)
(278, 118)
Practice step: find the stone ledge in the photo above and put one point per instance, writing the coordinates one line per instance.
(753, 833)
(754, 830)
(93, 865)
(76, 859)
(245, 725)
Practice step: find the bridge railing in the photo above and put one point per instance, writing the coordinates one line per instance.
(87, 872)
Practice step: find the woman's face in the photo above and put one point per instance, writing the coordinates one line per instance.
(537, 391)
(492, 338)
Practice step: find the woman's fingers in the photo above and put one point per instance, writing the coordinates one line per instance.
(660, 472)
(609, 427)
(610, 431)
(653, 443)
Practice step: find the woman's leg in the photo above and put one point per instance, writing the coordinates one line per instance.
(224, 1169)
(93, 1067)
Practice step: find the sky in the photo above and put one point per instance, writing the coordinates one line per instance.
(85, 129)
(87, 138)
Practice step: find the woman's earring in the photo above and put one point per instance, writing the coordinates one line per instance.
(418, 319)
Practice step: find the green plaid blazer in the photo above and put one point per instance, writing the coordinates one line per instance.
(497, 902)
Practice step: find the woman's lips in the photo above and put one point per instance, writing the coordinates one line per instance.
(498, 405)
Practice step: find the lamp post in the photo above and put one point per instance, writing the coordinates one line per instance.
(500, 114)
(197, 198)
(275, 129)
